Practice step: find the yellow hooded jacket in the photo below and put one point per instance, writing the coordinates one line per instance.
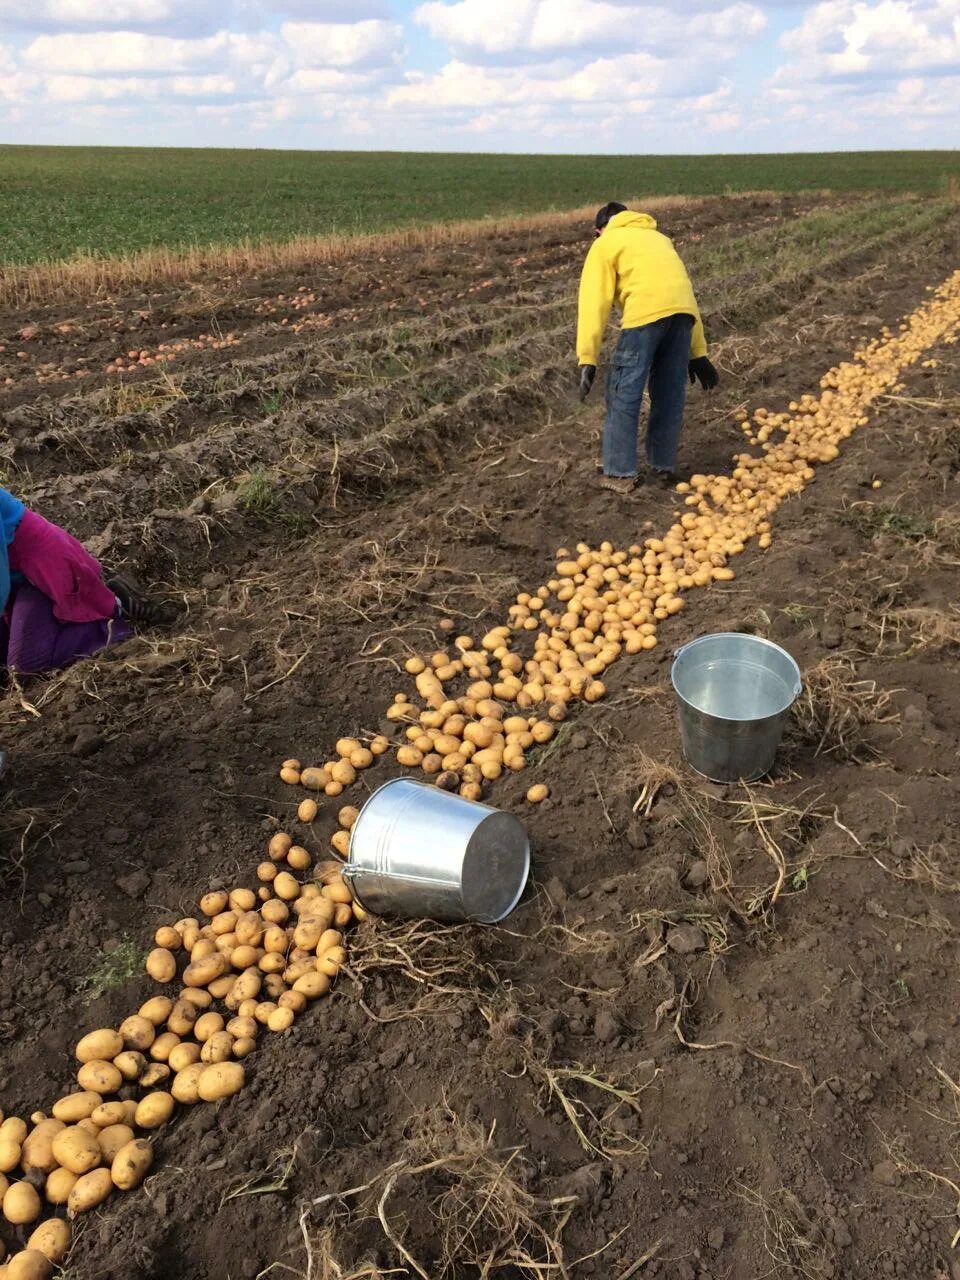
(637, 267)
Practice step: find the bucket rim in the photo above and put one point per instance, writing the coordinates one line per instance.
(735, 635)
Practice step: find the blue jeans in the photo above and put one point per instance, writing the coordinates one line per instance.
(658, 353)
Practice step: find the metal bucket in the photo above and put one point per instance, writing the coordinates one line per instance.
(417, 851)
(734, 693)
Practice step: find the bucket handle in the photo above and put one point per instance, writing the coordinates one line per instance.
(678, 654)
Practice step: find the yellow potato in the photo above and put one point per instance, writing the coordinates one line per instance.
(275, 911)
(245, 957)
(344, 773)
(281, 1019)
(286, 886)
(52, 1239)
(109, 1113)
(154, 1110)
(168, 938)
(59, 1185)
(298, 858)
(337, 892)
(225, 922)
(348, 816)
(131, 1065)
(315, 779)
(290, 776)
(184, 1086)
(21, 1204)
(161, 965)
(218, 1048)
(197, 997)
(99, 1045)
(10, 1152)
(307, 810)
(343, 915)
(200, 973)
(211, 904)
(294, 1000)
(241, 900)
(221, 987)
(244, 1046)
(346, 746)
(131, 1164)
(247, 986)
(89, 1191)
(207, 1026)
(183, 1017)
(14, 1128)
(100, 1077)
(263, 1011)
(112, 1139)
(340, 843)
(157, 1010)
(273, 962)
(30, 1264)
(155, 1074)
(221, 1080)
(312, 985)
(138, 1033)
(267, 872)
(538, 793)
(279, 846)
(163, 1045)
(245, 1027)
(183, 1056)
(77, 1150)
(362, 758)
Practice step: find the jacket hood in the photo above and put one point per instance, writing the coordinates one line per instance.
(635, 221)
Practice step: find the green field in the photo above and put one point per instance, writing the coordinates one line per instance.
(57, 202)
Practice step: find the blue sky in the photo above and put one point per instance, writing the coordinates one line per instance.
(483, 75)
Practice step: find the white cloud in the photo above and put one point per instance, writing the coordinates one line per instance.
(106, 53)
(324, 44)
(844, 39)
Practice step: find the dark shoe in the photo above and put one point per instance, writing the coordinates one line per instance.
(625, 486)
(140, 609)
(665, 479)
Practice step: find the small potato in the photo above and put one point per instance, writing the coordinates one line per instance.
(340, 843)
(89, 1191)
(275, 911)
(157, 1010)
(109, 1113)
(333, 788)
(138, 1033)
(358, 913)
(344, 773)
(263, 1011)
(380, 745)
(338, 893)
(112, 1139)
(220, 988)
(99, 1045)
(131, 1065)
(29, 1264)
(184, 1086)
(348, 816)
(156, 1073)
(78, 1106)
(211, 904)
(161, 965)
(100, 1077)
(59, 1185)
(196, 996)
(281, 1020)
(241, 900)
(14, 1128)
(267, 872)
(77, 1150)
(286, 886)
(245, 957)
(183, 1017)
(200, 973)
(162, 1046)
(218, 1048)
(209, 1024)
(52, 1239)
(538, 793)
(10, 1153)
(247, 1008)
(298, 858)
(307, 810)
(346, 746)
(290, 776)
(362, 758)
(154, 1110)
(315, 779)
(131, 1164)
(247, 986)
(221, 1080)
(168, 938)
(296, 970)
(343, 915)
(244, 1046)
(189, 930)
(242, 1027)
(225, 922)
(273, 986)
(249, 929)
(21, 1204)
(183, 1056)
(273, 962)
(279, 846)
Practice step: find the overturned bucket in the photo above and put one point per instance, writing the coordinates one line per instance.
(734, 692)
(417, 851)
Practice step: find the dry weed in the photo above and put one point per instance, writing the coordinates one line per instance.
(790, 1236)
(836, 706)
(928, 628)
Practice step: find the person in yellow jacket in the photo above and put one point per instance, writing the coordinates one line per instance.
(662, 342)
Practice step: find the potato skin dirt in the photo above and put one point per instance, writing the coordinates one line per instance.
(151, 775)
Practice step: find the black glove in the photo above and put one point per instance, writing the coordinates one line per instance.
(703, 371)
(587, 374)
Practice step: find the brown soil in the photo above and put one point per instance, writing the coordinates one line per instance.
(785, 1069)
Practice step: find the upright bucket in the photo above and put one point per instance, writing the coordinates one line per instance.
(734, 692)
(417, 851)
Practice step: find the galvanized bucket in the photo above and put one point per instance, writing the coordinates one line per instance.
(734, 692)
(417, 851)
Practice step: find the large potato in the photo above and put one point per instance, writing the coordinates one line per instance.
(313, 985)
(21, 1204)
(217, 1048)
(59, 1185)
(102, 1045)
(130, 1064)
(182, 1017)
(100, 1077)
(161, 965)
(196, 996)
(52, 1239)
(78, 1106)
(15, 1129)
(112, 1139)
(110, 1113)
(10, 1153)
(131, 1164)
(37, 1153)
(90, 1190)
(157, 1010)
(154, 1110)
(220, 1080)
(77, 1150)
(163, 1045)
(200, 973)
(183, 1056)
(185, 1083)
(31, 1264)
(138, 1033)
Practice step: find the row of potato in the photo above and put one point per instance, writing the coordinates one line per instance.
(479, 710)
(252, 960)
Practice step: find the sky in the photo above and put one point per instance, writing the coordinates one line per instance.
(587, 76)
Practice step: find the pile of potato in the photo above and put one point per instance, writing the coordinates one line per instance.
(262, 957)
(479, 710)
